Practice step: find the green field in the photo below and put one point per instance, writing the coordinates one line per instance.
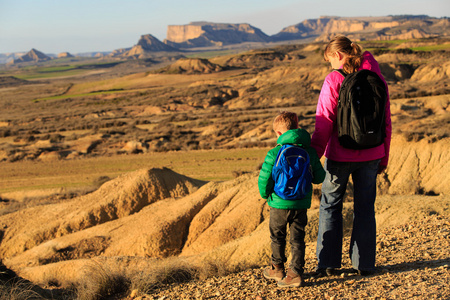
(427, 48)
(56, 71)
(432, 47)
(59, 97)
(211, 165)
(51, 74)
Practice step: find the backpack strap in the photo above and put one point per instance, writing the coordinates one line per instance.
(291, 144)
(340, 71)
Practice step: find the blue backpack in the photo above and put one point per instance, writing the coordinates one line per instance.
(292, 173)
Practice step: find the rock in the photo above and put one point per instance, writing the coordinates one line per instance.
(48, 156)
(133, 294)
(64, 55)
(86, 144)
(135, 147)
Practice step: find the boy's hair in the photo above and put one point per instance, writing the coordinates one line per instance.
(285, 121)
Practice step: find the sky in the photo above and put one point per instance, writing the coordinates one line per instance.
(78, 26)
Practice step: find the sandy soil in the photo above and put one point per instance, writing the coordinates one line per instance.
(413, 263)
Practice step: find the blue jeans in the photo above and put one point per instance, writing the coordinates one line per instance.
(297, 220)
(363, 239)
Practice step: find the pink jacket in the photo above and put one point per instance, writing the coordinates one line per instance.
(325, 137)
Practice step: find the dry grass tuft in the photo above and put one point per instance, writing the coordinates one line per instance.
(214, 268)
(101, 282)
(170, 271)
(18, 290)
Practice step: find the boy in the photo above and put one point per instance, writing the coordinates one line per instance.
(284, 212)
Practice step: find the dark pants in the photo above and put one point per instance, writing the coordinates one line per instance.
(297, 220)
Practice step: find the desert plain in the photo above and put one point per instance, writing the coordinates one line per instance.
(137, 180)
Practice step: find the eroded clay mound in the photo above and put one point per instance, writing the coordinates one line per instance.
(192, 66)
(118, 198)
(419, 167)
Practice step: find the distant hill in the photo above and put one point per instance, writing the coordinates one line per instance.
(367, 28)
(33, 55)
(148, 43)
(92, 54)
(206, 34)
(7, 57)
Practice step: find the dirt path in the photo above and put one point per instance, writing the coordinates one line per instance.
(413, 263)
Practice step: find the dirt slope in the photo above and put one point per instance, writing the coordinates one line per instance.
(413, 263)
(253, 250)
(158, 213)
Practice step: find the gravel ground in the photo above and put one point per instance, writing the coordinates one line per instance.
(412, 263)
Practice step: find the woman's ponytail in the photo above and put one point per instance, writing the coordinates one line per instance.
(354, 59)
(353, 51)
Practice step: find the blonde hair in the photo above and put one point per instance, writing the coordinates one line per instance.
(285, 121)
(345, 46)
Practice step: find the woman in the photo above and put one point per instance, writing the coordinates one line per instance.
(363, 165)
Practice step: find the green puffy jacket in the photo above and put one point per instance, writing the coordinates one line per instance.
(265, 182)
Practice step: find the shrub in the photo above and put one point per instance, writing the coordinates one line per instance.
(5, 132)
(99, 181)
(236, 173)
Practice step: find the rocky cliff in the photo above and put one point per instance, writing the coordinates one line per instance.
(367, 28)
(204, 34)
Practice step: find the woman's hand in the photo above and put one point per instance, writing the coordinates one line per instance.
(381, 169)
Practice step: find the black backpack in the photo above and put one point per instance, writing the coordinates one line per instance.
(361, 110)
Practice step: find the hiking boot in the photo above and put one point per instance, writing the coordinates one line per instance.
(331, 272)
(322, 272)
(274, 272)
(292, 279)
(364, 272)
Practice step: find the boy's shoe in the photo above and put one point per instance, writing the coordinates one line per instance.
(274, 272)
(292, 279)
